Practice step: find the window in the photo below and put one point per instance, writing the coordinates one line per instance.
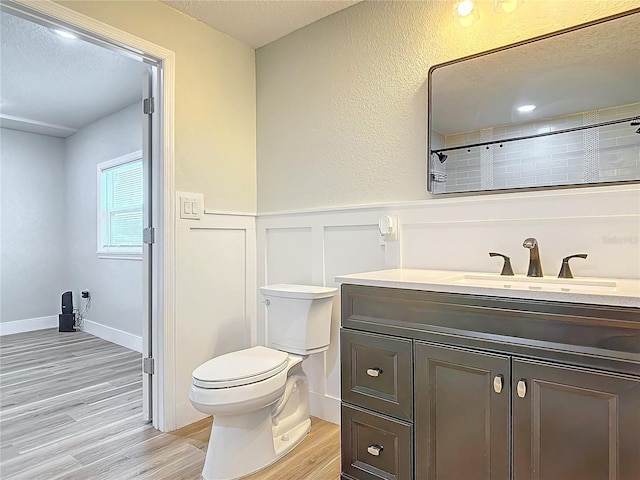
(120, 201)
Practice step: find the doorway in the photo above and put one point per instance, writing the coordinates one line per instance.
(159, 188)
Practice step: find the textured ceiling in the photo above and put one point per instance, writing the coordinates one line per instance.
(257, 23)
(55, 85)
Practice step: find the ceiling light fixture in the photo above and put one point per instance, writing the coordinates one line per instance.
(65, 34)
(526, 108)
(465, 8)
(465, 13)
(506, 6)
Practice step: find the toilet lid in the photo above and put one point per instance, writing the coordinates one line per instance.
(240, 368)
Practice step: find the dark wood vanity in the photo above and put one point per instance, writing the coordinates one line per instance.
(465, 387)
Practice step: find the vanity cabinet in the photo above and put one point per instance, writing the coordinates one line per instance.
(453, 386)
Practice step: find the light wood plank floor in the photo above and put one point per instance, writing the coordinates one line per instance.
(71, 408)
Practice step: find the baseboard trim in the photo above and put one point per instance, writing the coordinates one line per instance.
(28, 325)
(325, 407)
(113, 335)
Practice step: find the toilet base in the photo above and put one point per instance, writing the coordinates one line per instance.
(287, 442)
(248, 444)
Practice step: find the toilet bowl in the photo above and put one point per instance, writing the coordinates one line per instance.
(259, 396)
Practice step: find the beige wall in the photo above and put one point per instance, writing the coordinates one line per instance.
(341, 104)
(215, 123)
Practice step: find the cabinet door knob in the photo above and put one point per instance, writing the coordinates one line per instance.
(522, 388)
(497, 383)
(374, 372)
(375, 449)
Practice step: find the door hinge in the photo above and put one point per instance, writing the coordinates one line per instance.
(149, 235)
(148, 106)
(148, 365)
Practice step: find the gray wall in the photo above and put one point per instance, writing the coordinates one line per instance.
(33, 225)
(115, 285)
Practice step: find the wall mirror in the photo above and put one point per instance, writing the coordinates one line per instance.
(555, 111)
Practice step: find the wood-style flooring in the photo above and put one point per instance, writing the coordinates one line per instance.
(71, 408)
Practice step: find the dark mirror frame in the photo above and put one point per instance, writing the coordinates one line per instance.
(465, 73)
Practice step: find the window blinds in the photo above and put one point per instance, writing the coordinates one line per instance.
(123, 209)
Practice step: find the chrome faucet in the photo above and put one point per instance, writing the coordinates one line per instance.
(535, 268)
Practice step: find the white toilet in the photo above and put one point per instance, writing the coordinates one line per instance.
(259, 397)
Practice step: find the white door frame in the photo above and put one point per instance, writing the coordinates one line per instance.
(163, 316)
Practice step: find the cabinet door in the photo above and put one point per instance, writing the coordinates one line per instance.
(462, 414)
(571, 423)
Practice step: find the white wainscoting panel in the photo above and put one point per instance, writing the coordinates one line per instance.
(291, 250)
(215, 296)
(352, 249)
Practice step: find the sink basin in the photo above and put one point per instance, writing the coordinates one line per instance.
(518, 282)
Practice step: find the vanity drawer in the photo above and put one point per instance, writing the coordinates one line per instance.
(374, 446)
(377, 373)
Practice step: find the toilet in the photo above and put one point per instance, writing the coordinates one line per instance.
(259, 396)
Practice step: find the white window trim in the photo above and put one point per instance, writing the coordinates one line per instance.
(101, 252)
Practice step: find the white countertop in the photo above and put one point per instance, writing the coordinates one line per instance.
(597, 291)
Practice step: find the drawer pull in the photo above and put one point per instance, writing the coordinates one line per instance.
(497, 383)
(375, 449)
(522, 388)
(374, 372)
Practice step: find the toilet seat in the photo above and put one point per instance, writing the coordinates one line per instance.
(238, 368)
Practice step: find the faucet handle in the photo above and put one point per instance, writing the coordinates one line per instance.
(565, 270)
(506, 268)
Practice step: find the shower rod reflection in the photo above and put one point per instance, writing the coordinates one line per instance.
(441, 155)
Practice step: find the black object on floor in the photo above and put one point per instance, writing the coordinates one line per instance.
(66, 319)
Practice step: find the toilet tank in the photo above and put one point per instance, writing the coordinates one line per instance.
(298, 317)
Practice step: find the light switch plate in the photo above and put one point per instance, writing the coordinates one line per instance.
(191, 205)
